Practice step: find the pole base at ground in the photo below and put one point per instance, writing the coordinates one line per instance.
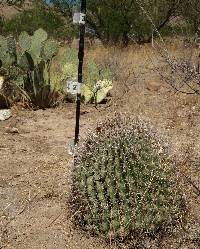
(71, 148)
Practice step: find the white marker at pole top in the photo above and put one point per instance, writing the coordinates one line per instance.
(79, 18)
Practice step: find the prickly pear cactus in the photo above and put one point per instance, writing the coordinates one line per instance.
(37, 43)
(3, 46)
(98, 83)
(35, 50)
(40, 35)
(50, 49)
(38, 46)
(124, 181)
(25, 41)
(87, 93)
(92, 73)
(98, 92)
(11, 43)
(26, 62)
(7, 51)
(30, 66)
(102, 89)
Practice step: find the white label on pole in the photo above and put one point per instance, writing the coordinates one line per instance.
(76, 18)
(82, 18)
(79, 18)
(79, 88)
(72, 87)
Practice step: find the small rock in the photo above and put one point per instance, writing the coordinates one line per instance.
(153, 85)
(197, 45)
(12, 130)
(3, 101)
(1, 82)
(5, 114)
(193, 108)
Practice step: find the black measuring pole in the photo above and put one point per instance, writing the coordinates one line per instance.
(80, 71)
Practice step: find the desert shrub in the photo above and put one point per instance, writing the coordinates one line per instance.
(182, 73)
(119, 22)
(124, 181)
(33, 19)
(3, 101)
(69, 64)
(9, 92)
(191, 13)
(1, 24)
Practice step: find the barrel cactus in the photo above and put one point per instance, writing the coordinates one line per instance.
(124, 181)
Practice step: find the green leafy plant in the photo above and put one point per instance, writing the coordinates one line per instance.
(38, 17)
(69, 65)
(124, 181)
(9, 92)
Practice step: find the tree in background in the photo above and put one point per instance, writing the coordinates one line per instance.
(39, 15)
(33, 19)
(13, 2)
(113, 22)
(63, 6)
(124, 20)
(191, 12)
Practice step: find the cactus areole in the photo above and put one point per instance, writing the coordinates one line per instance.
(80, 69)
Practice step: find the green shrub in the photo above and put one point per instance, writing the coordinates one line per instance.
(33, 19)
(69, 65)
(124, 181)
(9, 92)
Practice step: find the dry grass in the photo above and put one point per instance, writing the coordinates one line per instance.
(8, 12)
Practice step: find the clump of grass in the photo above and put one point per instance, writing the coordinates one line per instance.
(124, 181)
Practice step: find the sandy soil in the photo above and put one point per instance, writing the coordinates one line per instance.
(35, 169)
